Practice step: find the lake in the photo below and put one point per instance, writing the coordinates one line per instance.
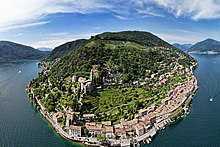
(21, 125)
(201, 128)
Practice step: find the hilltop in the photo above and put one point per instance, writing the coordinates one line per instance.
(208, 46)
(63, 49)
(10, 51)
(113, 75)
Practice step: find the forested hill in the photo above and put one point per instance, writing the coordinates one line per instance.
(63, 49)
(10, 51)
(207, 46)
(127, 70)
(130, 52)
(143, 38)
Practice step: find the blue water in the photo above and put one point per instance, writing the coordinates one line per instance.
(22, 126)
(201, 128)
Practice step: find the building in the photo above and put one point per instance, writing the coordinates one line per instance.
(74, 78)
(119, 132)
(151, 117)
(75, 131)
(139, 129)
(71, 115)
(128, 124)
(94, 129)
(85, 85)
(89, 117)
(82, 82)
(88, 87)
(143, 112)
(107, 123)
(68, 120)
(108, 131)
(57, 117)
(166, 101)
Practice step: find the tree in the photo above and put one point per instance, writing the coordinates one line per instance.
(101, 138)
(51, 108)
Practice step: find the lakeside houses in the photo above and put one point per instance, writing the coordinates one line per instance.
(108, 131)
(143, 127)
(140, 129)
(75, 131)
(94, 129)
(57, 117)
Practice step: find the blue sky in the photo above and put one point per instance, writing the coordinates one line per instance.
(49, 23)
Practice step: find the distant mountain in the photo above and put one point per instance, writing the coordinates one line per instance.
(45, 49)
(208, 46)
(63, 49)
(183, 47)
(10, 51)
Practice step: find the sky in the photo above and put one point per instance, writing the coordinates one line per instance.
(49, 23)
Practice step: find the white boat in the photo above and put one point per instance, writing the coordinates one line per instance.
(211, 99)
(19, 71)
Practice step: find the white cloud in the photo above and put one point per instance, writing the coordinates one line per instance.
(23, 12)
(121, 17)
(182, 36)
(54, 40)
(149, 11)
(13, 27)
(195, 9)
(15, 13)
(58, 34)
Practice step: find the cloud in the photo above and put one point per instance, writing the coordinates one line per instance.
(182, 36)
(15, 14)
(120, 17)
(194, 9)
(24, 12)
(20, 12)
(54, 40)
(13, 27)
(58, 34)
(149, 11)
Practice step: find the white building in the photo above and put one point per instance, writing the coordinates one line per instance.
(75, 131)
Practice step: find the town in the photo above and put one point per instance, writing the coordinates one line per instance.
(82, 127)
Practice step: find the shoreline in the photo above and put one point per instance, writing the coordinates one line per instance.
(146, 137)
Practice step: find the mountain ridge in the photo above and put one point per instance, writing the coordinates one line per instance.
(208, 46)
(183, 47)
(10, 51)
(63, 49)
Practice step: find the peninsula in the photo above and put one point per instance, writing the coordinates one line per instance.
(114, 89)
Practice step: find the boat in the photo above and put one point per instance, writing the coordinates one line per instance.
(211, 99)
(19, 71)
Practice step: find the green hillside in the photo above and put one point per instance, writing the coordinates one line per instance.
(118, 61)
(10, 52)
(63, 49)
